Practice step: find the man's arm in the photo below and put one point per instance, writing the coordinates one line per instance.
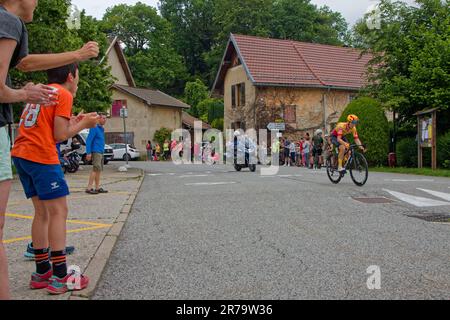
(30, 93)
(37, 62)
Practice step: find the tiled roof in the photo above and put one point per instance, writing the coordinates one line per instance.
(188, 120)
(152, 97)
(293, 63)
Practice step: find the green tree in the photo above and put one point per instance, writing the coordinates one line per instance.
(194, 93)
(149, 46)
(373, 128)
(210, 109)
(194, 30)
(302, 21)
(412, 58)
(49, 34)
(249, 17)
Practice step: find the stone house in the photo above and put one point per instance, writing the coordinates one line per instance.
(148, 109)
(302, 86)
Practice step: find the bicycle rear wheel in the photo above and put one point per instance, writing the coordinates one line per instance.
(332, 172)
(359, 171)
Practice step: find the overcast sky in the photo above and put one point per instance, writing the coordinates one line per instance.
(352, 10)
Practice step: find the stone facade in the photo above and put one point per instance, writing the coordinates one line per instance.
(313, 108)
(143, 120)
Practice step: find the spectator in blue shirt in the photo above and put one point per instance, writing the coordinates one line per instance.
(95, 146)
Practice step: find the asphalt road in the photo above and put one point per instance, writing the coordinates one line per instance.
(208, 232)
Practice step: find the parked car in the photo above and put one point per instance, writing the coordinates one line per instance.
(121, 154)
(108, 154)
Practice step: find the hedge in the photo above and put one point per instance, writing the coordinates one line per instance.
(373, 128)
(407, 152)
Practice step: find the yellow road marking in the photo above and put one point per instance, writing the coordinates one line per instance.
(100, 225)
(15, 203)
(68, 231)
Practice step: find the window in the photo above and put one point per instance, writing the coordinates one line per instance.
(241, 94)
(233, 96)
(290, 114)
(116, 106)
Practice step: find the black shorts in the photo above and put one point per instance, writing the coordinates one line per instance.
(317, 152)
(335, 141)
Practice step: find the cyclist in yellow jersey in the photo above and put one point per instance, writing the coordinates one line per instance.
(338, 137)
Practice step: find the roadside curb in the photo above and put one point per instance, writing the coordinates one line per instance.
(98, 262)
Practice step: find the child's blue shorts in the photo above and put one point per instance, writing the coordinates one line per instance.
(43, 180)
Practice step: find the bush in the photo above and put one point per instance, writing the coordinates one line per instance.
(217, 124)
(210, 109)
(162, 135)
(373, 128)
(443, 150)
(407, 152)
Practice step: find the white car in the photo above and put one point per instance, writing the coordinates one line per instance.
(120, 153)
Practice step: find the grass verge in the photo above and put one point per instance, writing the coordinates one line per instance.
(417, 171)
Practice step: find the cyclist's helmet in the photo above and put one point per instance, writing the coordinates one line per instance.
(352, 118)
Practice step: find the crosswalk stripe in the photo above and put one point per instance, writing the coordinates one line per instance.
(417, 201)
(442, 195)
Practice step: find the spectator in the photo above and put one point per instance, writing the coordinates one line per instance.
(166, 149)
(317, 149)
(14, 54)
(300, 156)
(95, 146)
(149, 150)
(157, 151)
(306, 150)
(292, 149)
(286, 152)
(36, 160)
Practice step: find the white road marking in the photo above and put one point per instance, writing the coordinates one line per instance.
(155, 174)
(442, 195)
(417, 201)
(410, 180)
(196, 175)
(209, 183)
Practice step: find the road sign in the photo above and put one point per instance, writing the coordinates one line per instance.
(276, 126)
(123, 112)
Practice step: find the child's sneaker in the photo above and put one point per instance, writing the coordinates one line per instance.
(60, 285)
(40, 281)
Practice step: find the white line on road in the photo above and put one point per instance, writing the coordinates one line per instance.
(442, 195)
(196, 175)
(410, 180)
(417, 201)
(155, 174)
(209, 183)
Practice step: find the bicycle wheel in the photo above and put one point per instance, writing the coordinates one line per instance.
(359, 171)
(332, 172)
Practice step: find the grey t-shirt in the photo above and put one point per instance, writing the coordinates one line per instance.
(11, 27)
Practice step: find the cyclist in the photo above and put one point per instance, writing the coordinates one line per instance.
(338, 137)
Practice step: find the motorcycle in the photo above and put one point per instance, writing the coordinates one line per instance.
(70, 160)
(248, 148)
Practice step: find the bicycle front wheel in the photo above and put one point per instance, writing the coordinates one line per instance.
(359, 171)
(332, 172)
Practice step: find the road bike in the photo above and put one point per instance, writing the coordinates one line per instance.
(354, 161)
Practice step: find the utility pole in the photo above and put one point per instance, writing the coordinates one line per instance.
(124, 115)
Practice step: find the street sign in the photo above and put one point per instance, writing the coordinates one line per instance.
(276, 126)
(123, 112)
